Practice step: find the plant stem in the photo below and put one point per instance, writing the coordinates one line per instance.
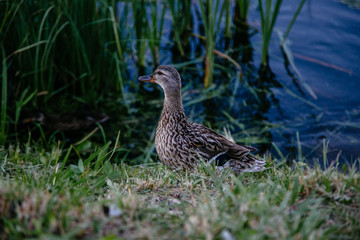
(292, 22)
(3, 99)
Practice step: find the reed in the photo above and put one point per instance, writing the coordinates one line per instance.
(181, 22)
(242, 10)
(293, 19)
(211, 14)
(156, 24)
(116, 31)
(268, 17)
(228, 22)
(24, 99)
(141, 26)
(121, 24)
(288, 55)
(3, 99)
(71, 44)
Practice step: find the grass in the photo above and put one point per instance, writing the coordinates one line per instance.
(3, 99)
(49, 194)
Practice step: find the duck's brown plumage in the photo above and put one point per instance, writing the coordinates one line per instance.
(180, 143)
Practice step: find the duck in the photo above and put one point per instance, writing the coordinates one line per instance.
(180, 143)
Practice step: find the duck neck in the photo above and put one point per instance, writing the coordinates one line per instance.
(173, 106)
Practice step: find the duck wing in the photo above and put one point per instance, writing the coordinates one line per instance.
(212, 146)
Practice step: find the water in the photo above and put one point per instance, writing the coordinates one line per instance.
(325, 42)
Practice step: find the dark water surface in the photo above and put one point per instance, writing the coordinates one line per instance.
(325, 42)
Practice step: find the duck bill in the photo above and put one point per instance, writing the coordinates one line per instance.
(147, 78)
(27, 120)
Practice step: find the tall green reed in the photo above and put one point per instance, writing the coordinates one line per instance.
(141, 26)
(268, 17)
(182, 22)
(3, 99)
(156, 29)
(288, 56)
(117, 28)
(72, 49)
(8, 14)
(228, 23)
(120, 24)
(45, 61)
(68, 44)
(24, 99)
(242, 10)
(293, 19)
(125, 25)
(211, 14)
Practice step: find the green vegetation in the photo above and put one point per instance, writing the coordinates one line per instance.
(71, 51)
(3, 101)
(42, 197)
(243, 9)
(156, 29)
(179, 11)
(268, 14)
(211, 14)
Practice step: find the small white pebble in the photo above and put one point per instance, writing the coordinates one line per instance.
(226, 235)
(114, 211)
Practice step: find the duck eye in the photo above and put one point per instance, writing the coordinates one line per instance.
(160, 73)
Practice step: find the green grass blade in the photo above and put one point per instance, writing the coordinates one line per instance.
(292, 22)
(300, 155)
(37, 51)
(3, 99)
(117, 40)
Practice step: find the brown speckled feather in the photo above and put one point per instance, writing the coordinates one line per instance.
(181, 144)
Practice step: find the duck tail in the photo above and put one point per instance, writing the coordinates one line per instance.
(255, 164)
(248, 163)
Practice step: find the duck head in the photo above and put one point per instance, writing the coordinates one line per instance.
(168, 78)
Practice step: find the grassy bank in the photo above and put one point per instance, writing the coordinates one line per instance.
(40, 197)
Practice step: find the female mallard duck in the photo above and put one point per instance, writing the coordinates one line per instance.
(180, 143)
